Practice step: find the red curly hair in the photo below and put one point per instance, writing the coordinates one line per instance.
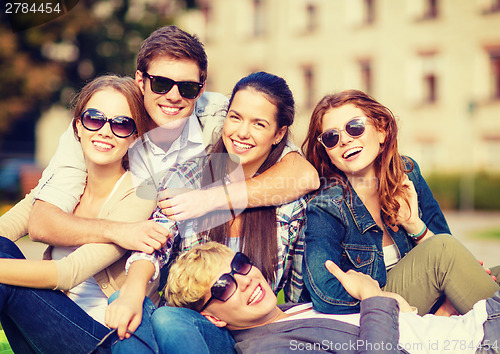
(390, 166)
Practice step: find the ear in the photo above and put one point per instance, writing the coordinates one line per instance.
(381, 137)
(280, 134)
(202, 89)
(214, 319)
(140, 80)
(79, 128)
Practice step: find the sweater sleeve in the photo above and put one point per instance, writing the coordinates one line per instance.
(14, 223)
(379, 326)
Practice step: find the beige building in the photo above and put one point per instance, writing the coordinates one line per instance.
(434, 63)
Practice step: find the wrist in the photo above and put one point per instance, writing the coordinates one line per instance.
(420, 234)
(414, 227)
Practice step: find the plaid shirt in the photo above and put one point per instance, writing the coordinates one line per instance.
(290, 219)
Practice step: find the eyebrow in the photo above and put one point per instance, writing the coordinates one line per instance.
(254, 119)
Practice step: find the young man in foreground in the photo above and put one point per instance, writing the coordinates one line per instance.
(230, 292)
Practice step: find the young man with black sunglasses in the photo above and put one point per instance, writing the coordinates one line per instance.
(232, 293)
(171, 72)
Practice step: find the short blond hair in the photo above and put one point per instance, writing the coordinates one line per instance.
(191, 275)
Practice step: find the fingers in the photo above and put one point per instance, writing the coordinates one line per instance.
(334, 269)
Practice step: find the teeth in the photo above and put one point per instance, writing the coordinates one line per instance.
(103, 145)
(170, 109)
(241, 145)
(256, 294)
(351, 152)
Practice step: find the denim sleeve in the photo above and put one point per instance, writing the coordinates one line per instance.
(323, 236)
(64, 179)
(379, 325)
(430, 211)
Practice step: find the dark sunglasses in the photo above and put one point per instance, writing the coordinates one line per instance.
(354, 128)
(93, 120)
(226, 285)
(162, 85)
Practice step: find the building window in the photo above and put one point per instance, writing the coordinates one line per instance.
(427, 78)
(368, 12)
(258, 18)
(421, 10)
(309, 84)
(495, 71)
(365, 68)
(312, 17)
(431, 9)
(490, 6)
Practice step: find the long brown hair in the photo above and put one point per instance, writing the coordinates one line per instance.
(258, 233)
(390, 166)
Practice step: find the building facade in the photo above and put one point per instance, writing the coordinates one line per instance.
(434, 63)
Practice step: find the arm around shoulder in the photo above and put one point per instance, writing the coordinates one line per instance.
(14, 223)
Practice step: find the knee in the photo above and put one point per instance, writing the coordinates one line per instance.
(441, 242)
(173, 317)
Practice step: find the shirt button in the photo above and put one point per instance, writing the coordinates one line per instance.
(104, 285)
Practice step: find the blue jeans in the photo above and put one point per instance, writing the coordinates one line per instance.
(143, 339)
(45, 321)
(491, 339)
(181, 330)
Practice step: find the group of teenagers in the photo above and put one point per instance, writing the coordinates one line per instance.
(172, 228)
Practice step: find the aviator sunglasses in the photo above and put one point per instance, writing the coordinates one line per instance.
(226, 285)
(121, 126)
(354, 128)
(162, 85)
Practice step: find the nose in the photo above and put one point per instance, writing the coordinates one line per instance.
(174, 94)
(106, 130)
(243, 131)
(243, 281)
(345, 138)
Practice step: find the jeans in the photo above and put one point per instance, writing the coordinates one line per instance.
(491, 339)
(143, 339)
(440, 265)
(181, 330)
(44, 321)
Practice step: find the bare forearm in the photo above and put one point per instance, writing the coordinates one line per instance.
(286, 181)
(28, 273)
(138, 276)
(51, 225)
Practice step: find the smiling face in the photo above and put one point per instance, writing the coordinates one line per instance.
(354, 156)
(252, 304)
(251, 129)
(102, 147)
(170, 109)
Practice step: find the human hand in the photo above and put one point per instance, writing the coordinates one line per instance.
(359, 285)
(124, 314)
(408, 212)
(183, 204)
(488, 270)
(144, 236)
(404, 306)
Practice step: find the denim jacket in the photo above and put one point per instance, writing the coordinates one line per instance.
(340, 228)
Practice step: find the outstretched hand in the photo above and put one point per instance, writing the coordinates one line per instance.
(359, 285)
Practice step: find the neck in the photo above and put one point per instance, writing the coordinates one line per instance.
(272, 317)
(101, 179)
(163, 136)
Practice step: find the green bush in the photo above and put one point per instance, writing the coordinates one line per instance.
(447, 189)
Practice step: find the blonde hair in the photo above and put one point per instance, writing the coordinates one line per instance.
(191, 275)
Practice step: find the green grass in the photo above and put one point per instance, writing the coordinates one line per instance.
(489, 234)
(4, 344)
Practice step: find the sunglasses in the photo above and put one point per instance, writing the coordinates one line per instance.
(162, 85)
(121, 126)
(354, 128)
(226, 285)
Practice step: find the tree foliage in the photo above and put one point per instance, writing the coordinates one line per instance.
(48, 63)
